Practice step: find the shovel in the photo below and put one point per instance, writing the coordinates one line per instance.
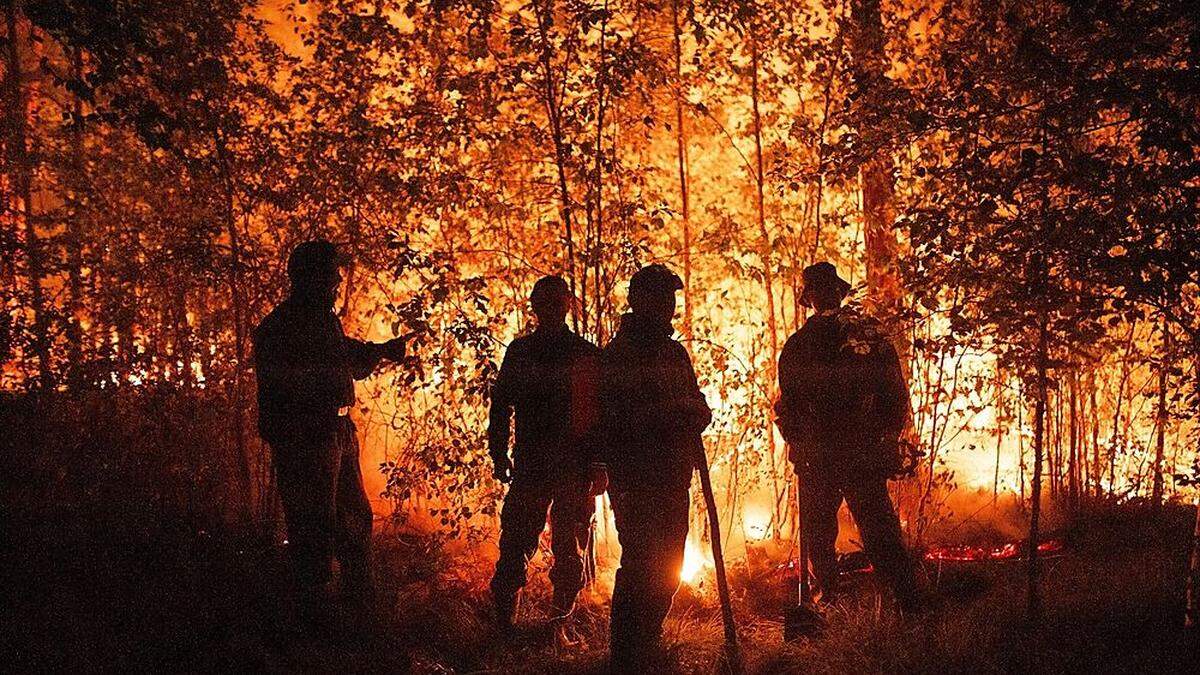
(732, 656)
(803, 620)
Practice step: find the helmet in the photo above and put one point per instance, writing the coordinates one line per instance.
(549, 287)
(313, 258)
(654, 278)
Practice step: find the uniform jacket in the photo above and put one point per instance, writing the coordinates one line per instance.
(843, 400)
(548, 382)
(652, 411)
(306, 369)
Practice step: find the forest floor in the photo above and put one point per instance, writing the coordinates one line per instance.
(82, 598)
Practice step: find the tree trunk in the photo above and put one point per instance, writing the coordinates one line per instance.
(183, 347)
(1193, 582)
(1192, 618)
(1051, 454)
(767, 263)
(1116, 425)
(238, 308)
(1097, 488)
(550, 96)
(1033, 600)
(885, 293)
(1156, 491)
(23, 166)
(74, 239)
(1021, 441)
(1073, 469)
(1060, 469)
(999, 434)
(597, 247)
(760, 203)
(682, 161)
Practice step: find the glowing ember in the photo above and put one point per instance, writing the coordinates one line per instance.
(1009, 551)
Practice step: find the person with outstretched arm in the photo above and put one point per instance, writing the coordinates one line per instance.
(306, 367)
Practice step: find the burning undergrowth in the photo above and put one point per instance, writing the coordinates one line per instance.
(976, 622)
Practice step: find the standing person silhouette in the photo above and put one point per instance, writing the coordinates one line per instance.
(652, 415)
(306, 369)
(548, 381)
(842, 409)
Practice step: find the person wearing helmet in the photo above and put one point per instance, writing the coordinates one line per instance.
(842, 409)
(306, 367)
(547, 381)
(652, 415)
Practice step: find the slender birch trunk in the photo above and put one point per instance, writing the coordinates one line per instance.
(1192, 617)
(1073, 459)
(682, 162)
(550, 98)
(999, 434)
(1156, 490)
(765, 248)
(1033, 599)
(1097, 487)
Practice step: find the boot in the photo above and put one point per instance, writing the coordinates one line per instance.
(910, 594)
(312, 611)
(639, 655)
(911, 603)
(506, 610)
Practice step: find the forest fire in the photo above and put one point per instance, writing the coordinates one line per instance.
(934, 264)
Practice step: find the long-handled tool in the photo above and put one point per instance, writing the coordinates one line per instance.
(803, 620)
(714, 529)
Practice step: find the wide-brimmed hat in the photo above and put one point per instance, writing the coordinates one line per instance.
(822, 276)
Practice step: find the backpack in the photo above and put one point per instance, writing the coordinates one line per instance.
(857, 399)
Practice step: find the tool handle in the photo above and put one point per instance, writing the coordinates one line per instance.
(804, 590)
(714, 526)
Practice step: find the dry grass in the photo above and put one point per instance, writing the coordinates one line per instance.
(105, 572)
(1112, 605)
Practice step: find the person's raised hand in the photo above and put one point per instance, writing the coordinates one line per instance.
(396, 348)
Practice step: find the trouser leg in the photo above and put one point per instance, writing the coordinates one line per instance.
(305, 472)
(352, 536)
(820, 503)
(570, 529)
(652, 528)
(522, 519)
(880, 528)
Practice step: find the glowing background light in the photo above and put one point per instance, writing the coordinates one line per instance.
(696, 560)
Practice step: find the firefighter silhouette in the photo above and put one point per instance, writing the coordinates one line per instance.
(842, 409)
(547, 381)
(652, 415)
(306, 369)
